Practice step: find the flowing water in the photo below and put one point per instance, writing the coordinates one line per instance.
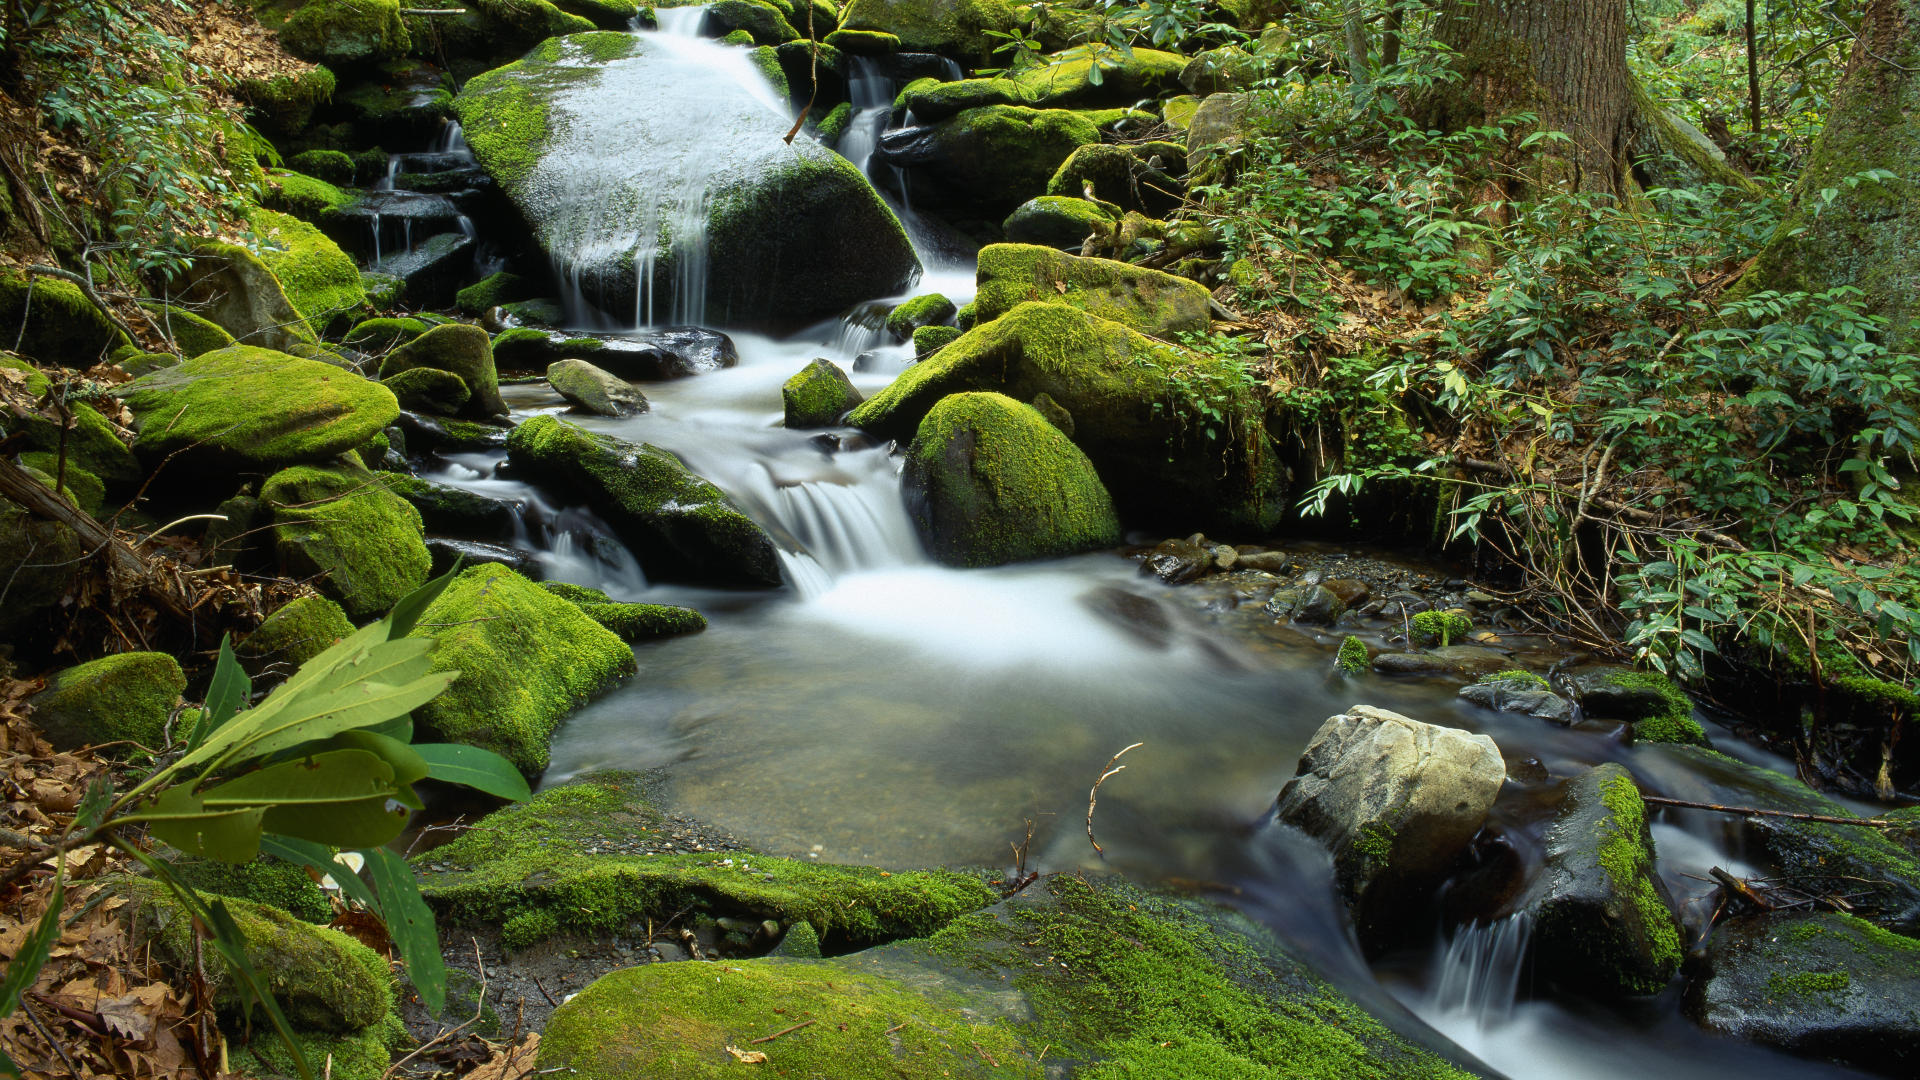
(882, 709)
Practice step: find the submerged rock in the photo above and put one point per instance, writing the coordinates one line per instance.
(989, 481)
(819, 396)
(127, 697)
(1149, 301)
(591, 390)
(1820, 984)
(1521, 692)
(601, 138)
(678, 524)
(1602, 921)
(1395, 800)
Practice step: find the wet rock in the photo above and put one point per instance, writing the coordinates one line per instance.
(460, 349)
(592, 390)
(1463, 660)
(445, 552)
(819, 395)
(1177, 562)
(1822, 985)
(378, 223)
(1272, 562)
(1140, 617)
(1395, 800)
(1519, 692)
(638, 356)
(1603, 923)
(1351, 592)
(1658, 709)
(451, 511)
(1315, 604)
(424, 434)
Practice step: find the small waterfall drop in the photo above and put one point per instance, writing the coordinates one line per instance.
(1481, 969)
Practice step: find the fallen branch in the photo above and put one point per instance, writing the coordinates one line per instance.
(39, 500)
(784, 1031)
(1094, 795)
(1735, 887)
(1790, 815)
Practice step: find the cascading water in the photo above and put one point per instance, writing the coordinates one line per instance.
(1481, 970)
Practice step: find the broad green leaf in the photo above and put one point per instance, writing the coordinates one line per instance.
(366, 823)
(319, 857)
(315, 717)
(482, 770)
(406, 614)
(225, 694)
(410, 925)
(336, 776)
(231, 944)
(407, 764)
(180, 818)
(31, 956)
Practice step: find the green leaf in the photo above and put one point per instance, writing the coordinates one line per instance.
(319, 857)
(410, 924)
(365, 823)
(225, 694)
(407, 764)
(406, 614)
(482, 770)
(324, 713)
(336, 776)
(180, 818)
(32, 954)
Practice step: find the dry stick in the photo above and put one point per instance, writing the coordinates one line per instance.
(813, 52)
(1736, 887)
(48, 1035)
(1790, 815)
(1094, 794)
(895, 1027)
(38, 499)
(784, 1031)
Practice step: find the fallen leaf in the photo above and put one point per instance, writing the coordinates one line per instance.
(510, 1063)
(132, 1015)
(748, 1057)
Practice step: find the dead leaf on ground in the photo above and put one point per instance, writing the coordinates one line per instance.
(512, 1062)
(748, 1057)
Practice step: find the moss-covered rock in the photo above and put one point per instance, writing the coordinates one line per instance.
(123, 698)
(383, 334)
(1096, 978)
(362, 1055)
(234, 288)
(91, 443)
(429, 390)
(493, 290)
(931, 99)
(55, 323)
(959, 28)
(544, 857)
(332, 166)
(1658, 709)
(526, 659)
(678, 524)
(362, 544)
(1140, 177)
(346, 31)
(81, 487)
(608, 14)
(1149, 301)
(286, 102)
(989, 481)
(265, 880)
(39, 559)
(459, 348)
(318, 279)
(931, 339)
(1066, 79)
(1223, 69)
(1133, 411)
(819, 395)
(192, 334)
(992, 159)
(590, 389)
(1603, 924)
(864, 42)
(763, 23)
(1178, 112)
(295, 633)
(1055, 220)
(645, 622)
(927, 310)
(305, 197)
(243, 407)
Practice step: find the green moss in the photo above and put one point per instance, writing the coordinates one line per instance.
(1674, 722)
(1808, 984)
(341, 526)
(576, 594)
(1010, 149)
(801, 942)
(458, 349)
(928, 340)
(532, 858)
(494, 290)
(990, 481)
(332, 166)
(127, 697)
(304, 197)
(1055, 220)
(819, 395)
(834, 124)
(81, 487)
(1516, 679)
(526, 659)
(383, 290)
(54, 322)
(192, 334)
(504, 113)
(643, 622)
(1353, 658)
(30, 377)
(295, 633)
(265, 880)
(1066, 80)
(863, 42)
(1374, 843)
(92, 444)
(321, 281)
(429, 390)
(362, 1055)
(1439, 627)
(286, 102)
(1178, 111)
(346, 31)
(927, 310)
(382, 335)
(966, 317)
(1629, 866)
(959, 28)
(1157, 304)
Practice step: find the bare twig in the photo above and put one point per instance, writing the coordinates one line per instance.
(783, 1031)
(1790, 815)
(1094, 794)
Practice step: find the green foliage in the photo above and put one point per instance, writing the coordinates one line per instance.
(1352, 658)
(1439, 627)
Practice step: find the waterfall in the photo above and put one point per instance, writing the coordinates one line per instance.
(1481, 968)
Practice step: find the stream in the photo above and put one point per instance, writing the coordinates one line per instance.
(882, 709)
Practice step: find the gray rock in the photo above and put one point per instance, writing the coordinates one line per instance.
(1603, 923)
(444, 551)
(1466, 661)
(1273, 562)
(381, 223)
(591, 390)
(446, 510)
(1177, 562)
(1395, 800)
(1504, 697)
(432, 272)
(1818, 984)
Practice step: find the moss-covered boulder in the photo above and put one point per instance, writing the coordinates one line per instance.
(40, 560)
(763, 23)
(792, 230)
(251, 408)
(1140, 177)
(645, 622)
(593, 390)
(863, 42)
(988, 160)
(1603, 925)
(318, 279)
(346, 31)
(819, 395)
(54, 322)
(931, 339)
(931, 99)
(677, 524)
(191, 333)
(384, 334)
(123, 698)
(927, 310)
(462, 349)
(1149, 301)
(1055, 220)
(233, 288)
(989, 481)
(572, 859)
(526, 659)
(305, 197)
(91, 443)
(295, 633)
(1819, 984)
(1133, 409)
(962, 29)
(1095, 978)
(360, 543)
(81, 488)
(1223, 69)
(429, 390)
(265, 880)
(1656, 707)
(1066, 80)
(493, 290)
(332, 166)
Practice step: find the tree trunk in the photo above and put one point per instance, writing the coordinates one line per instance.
(1869, 236)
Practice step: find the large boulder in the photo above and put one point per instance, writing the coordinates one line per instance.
(1130, 399)
(249, 408)
(678, 524)
(818, 395)
(460, 349)
(346, 31)
(625, 155)
(1056, 221)
(123, 698)
(317, 278)
(963, 29)
(1139, 177)
(1066, 80)
(1395, 800)
(988, 481)
(1603, 924)
(1149, 301)
(1820, 984)
(340, 526)
(987, 160)
(53, 322)
(1093, 977)
(236, 291)
(526, 659)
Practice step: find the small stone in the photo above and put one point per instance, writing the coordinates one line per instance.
(591, 390)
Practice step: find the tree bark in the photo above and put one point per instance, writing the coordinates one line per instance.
(1868, 237)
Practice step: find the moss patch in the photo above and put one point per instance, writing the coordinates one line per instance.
(341, 525)
(818, 396)
(265, 880)
(295, 633)
(125, 697)
(1353, 657)
(1441, 628)
(1156, 304)
(644, 622)
(320, 281)
(54, 322)
(920, 311)
(1625, 857)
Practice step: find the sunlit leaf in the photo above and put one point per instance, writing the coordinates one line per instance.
(482, 770)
